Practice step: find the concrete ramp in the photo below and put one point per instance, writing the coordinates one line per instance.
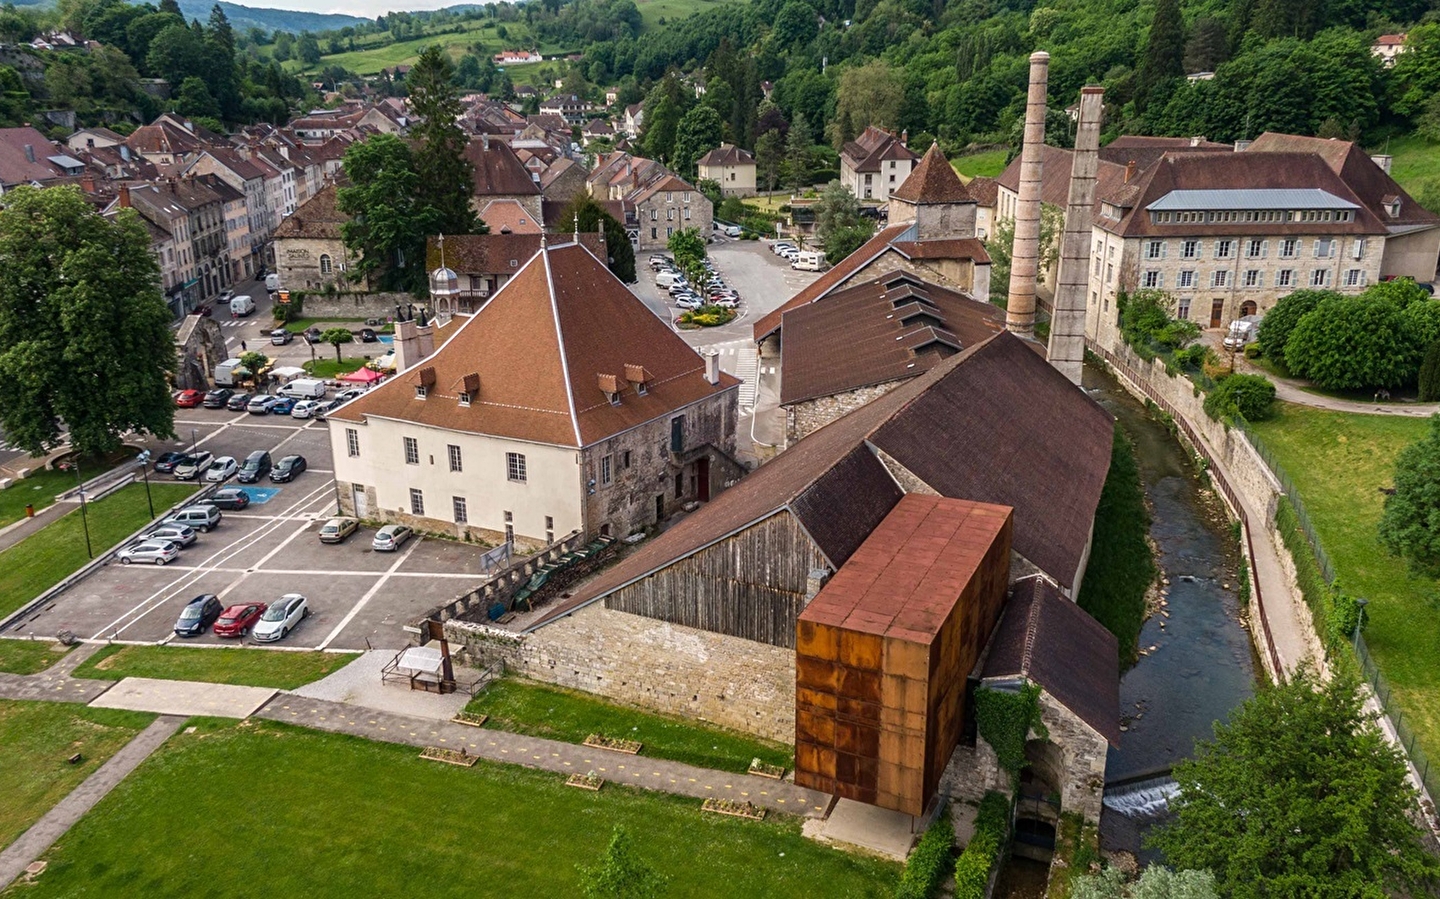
(178, 697)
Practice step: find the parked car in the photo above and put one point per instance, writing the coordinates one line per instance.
(390, 538)
(326, 408)
(368, 335)
(280, 337)
(221, 469)
(157, 552)
(689, 302)
(346, 396)
(283, 405)
(202, 517)
(198, 614)
(305, 409)
(217, 398)
(280, 618)
(167, 461)
(189, 399)
(337, 529)
(261, 405)
(182, 534)
(255, 467)
(724, 302)
(237, 620)
(312, 334)
(239, 401)
(231, 499)
(192, 467)
(780, 245)
(287, 468)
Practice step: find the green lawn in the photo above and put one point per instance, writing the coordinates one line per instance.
(988, 164)
(300, 325)
(242, 666)
(320, 815)
(36, 739)
(1416, 163)
(329, 368)
(39, 490)
(29, 656)
(38, 562)
(1339, 461)
(544, 711)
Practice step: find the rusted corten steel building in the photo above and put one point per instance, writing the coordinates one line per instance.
(882, 653)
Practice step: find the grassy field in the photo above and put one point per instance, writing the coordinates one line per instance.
(543, 711)
(245, 667)
(36, 739)
(1339, 462)
(41, 560)
(988, 164)
(321, 815)
(29, 656)
(38, 490)
(1416, 163)
(329, 368)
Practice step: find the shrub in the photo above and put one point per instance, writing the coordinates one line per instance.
(1250, 396)
(1422, 324)
(1400, 292)
(1351, 343)
(1430, 374)
(927, 866)
(1178, 332)
(1279, 322)
(1252, 351)
(972, 869)
(1410, 525)
(1195, 355)
(1144, 314)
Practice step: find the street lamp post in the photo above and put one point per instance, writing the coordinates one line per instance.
(84, 516)
(144, 460)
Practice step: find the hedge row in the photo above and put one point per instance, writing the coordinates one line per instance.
(972, 870)
(926, 868)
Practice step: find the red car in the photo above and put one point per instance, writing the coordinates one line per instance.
(237, 620)
(189, 399)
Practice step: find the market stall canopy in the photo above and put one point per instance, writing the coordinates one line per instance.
(362, 376)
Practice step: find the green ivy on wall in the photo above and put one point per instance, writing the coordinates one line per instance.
(1005, 719)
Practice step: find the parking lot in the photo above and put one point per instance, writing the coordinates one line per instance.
(358, 597)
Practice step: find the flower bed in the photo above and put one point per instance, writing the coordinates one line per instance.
(629, 747)
(470, 719)
(590, 781)
(761, 769)
(733, 809)
(450, 756)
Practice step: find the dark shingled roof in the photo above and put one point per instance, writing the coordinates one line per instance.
(498, 171)
(727, 154)
(993, 424)
(1053, 642)
(1359, 172)
(319, 218)
(933, 181)
(986, 191)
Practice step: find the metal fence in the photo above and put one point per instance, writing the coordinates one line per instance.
(1287, 486)
(1430, 777)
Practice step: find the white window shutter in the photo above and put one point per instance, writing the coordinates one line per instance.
(1264, 248)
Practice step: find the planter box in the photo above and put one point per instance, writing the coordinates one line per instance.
(761, 769)
(733, 809)
(449, 756)
(470, 719)
(585, 782)
(629, 747)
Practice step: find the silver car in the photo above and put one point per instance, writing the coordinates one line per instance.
(192, 467)
(391, 537)
(305, 409)
(280, 618)
(221, 469)
(172, 533)
(157, 552)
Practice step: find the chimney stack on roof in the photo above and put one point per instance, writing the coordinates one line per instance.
(124, 196)
(1066, 351)
(1129, 170)
(712, 368)
(1025, 255)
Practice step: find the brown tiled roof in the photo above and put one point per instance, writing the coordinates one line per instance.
(15, 165)
(1055, 176)
(494, 253)
(666, 181)
(1369, 182)
(498, 171)
(854, 339)
(509, 215)
(873, 146)
(933, 181)
(993, 424)
(909, 574)
(539, 346)
(318, 219)
(770, 322)
(945, 248)
(727, 154)
(984, 190)
(1144, 150)
(1051, 641)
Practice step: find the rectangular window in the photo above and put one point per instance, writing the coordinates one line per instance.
(607, 474)
(1155, 249)
(1289, 247)
(453, 452)
(1324, 247)
(687, 214)
(457, 505)
(352, 442)
(1220, 278)
(669, 215)
(1097, 266)
(417, 502)
(1182, 308)
(1190, 249)
(625, 459)
(1223, 248)
(1352, 277)
(420, 392)
(1150, 280)
(412, 451)
(654, 214)
(1252, 277)
(515, 466)
(1185, 281)
(1320, 277)
(1109, 273)
(1285, 277)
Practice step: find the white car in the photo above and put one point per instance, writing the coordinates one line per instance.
(156, 551)
(346, 396)
(305, 409)
(191, 468)
(689, 302)
(790, 254)
(280, 618)
(221, 469)
(779, 248)
(171, 533)
(390, 538)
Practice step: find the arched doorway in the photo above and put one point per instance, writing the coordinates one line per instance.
(1037, 809)
(1247, 308)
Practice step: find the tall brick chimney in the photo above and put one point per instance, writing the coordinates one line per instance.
(1067, 326)
(124, 196)
(1025, 256)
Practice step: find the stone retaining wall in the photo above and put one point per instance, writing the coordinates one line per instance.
(379, 305)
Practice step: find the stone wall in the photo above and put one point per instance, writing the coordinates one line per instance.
(380, 304)
(734, 683)
(807, 416)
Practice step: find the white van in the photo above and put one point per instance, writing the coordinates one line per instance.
(225, 373)
(303, 389)
(242, 306)
(272, 282)
(667, 280)
(808, 261)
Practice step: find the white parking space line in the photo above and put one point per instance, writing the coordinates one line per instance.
(350, 616)
(307, 572)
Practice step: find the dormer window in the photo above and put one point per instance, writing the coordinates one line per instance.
(1394, 208)
(638, 377)
(465, 399)
(420, 391)
(610, 386)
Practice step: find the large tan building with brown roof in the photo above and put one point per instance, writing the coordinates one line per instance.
(562, 405)
(875, 164)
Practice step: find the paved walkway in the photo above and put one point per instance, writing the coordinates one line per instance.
(42, 835)
(52, 687)
(1291, 392)
(549, 755)
(180, 697)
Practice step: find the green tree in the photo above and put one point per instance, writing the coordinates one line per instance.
(769, 154)
(585, 215)
(796, 24)
(621, 874)
(1400, 292)
(1279, 323)
(220, 75)
(1250, 396)
(175, 54)
(14, 98)
(1207, 47)
(1410, 525)
(700, 131)
(445, 177)
(872, 94)
(307, 49)
(1164, 53)
(388, 226)
(85, 340)
(797, 155)
(195, 98)
(838, 222)
(254, 362)
(1155, 882)
(1430, 374)
(688, 248)
(335, 337)
(1299, 795)
(1351, 343)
